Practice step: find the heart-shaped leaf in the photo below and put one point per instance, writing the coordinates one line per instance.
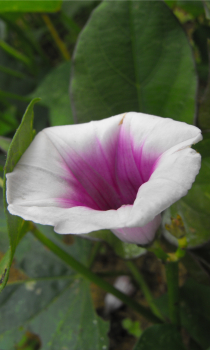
(133, 56)
(54, 304)
(160, 337)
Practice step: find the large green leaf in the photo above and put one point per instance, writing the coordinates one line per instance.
(160, 337)
(195, 269)
(16, 226)
(204, 109)
(55, 304)
(30, 6)
(194, 208)
(133, 56)
(195, 303)
(71, 8)
(194, 311)
(53, 92)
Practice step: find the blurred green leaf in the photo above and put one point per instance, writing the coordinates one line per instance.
(195, 8)
(122, 249)
(194, 208)
(14, 53)
(195, 315)
(206, 4)
(25, 33)
(11, 72)
(4, 143)
(194, 311)
(73, 7)
(54, 94)
(133, 56)
(30, 6)
(8, 121)
(194, 268)
(16, 226)
(2, 161)
(13, 87)
(132, 327)
(170, 3)
(204, 109)
(55, 304)
(160, 337)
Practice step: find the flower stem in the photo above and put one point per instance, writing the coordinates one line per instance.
(92, 277)
(144, 287)
(172, 276)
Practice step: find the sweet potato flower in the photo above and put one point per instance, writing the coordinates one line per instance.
(119, 173)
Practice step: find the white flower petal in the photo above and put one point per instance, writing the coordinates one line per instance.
(170, 181)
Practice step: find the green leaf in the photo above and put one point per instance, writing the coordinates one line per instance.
(122, 249)
(17, 227)
(8, 121)
(55, 304)
(204, 110)
(72, 8)
(14, 53)
(194, 208)
(74, 323)
(13, 88)
(194, 311)
(132, 327)
(30, 6)
(133, 56)
(193, 7)
(207, 8)
(195, 315)
(195, 269)
(54, 94)
(160, 337)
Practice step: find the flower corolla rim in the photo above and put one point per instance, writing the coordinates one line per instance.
(119, 173)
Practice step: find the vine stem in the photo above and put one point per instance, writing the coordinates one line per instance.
(144, 287)
(172, 276)
(60, 44)
(92, 277)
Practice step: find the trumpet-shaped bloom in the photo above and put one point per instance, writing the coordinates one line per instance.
(119, 173)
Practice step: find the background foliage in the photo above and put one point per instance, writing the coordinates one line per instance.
(146, 56)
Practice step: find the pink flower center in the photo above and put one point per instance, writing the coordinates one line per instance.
(107, 177)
